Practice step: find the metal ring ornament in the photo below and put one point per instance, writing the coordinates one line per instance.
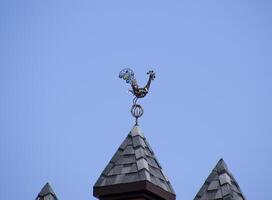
(137, 111)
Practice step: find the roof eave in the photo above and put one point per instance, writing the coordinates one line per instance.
(134, 189)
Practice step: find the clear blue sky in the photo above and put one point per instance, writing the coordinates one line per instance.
(64, 111)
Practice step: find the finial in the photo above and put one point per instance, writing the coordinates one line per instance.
(128, 75)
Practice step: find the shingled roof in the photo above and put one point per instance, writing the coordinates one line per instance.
(220, 185)
(134, 162)
(46, 191)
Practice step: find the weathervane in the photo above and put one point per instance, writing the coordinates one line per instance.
(128, 75)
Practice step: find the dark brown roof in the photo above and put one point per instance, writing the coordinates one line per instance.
(46, 190)
(220, 185)
(134, 162)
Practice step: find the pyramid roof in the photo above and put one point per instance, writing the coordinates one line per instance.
(133, 162)
(220, 185)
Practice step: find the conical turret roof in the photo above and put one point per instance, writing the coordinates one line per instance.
(134, 162)
(47, 190)
(220, 185)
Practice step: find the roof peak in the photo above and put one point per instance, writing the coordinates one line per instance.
(136, 130)
(221, 166)
(46, 190)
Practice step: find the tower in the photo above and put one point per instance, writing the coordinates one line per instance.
(134, 172)
(46, 193)
(220, 185)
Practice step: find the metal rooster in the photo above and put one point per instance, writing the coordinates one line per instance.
(128, 75)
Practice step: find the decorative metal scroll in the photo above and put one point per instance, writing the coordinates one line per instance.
(128, 75)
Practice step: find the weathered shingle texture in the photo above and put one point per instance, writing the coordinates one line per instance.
(220, 185)
(134, 161)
